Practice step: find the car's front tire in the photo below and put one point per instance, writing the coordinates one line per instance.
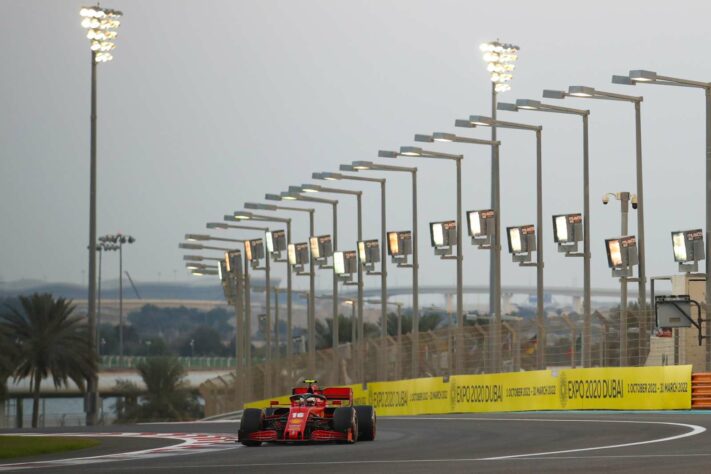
(344, 419)
(367, 421)
(252, 421)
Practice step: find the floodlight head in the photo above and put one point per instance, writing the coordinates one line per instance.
(258, 205)
(506, 106)
(551, 94)
(362, 165)
(197, 237)
(242, 215)
(424, 138)
(217, 225)
(289, 196)
(581, 91)
(317, 175)
(500, 59)
(190, 246)
(679, 247)
(480, 120)
(528, 104)
(295, 189)
(621, 254)
(100, 23)
(310, 188)
(387, 154)
(463, 123)
(444, 137)
(642, 75)
(688, 246)
(346, 168)
(624, 80)
(272, 197)
(331, 176)
(411, 151)
(205, 271)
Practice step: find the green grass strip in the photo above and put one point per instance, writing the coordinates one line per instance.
(21, 446)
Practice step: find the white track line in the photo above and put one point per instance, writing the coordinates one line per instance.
(694, 430)
(189, 441)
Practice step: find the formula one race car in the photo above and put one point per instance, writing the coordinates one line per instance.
(312, 415)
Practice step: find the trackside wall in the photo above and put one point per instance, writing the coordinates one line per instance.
(624, 388)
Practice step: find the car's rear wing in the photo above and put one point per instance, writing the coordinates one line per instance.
(339, 393)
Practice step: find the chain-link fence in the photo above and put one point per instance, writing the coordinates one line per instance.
(447, 351)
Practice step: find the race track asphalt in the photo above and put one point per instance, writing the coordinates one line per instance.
(554, 442)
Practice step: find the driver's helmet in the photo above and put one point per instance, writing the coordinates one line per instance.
(311, 401)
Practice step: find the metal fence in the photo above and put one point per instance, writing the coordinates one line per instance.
(189, 363)
(392, 359)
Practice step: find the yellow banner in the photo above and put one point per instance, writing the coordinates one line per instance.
(625, 388)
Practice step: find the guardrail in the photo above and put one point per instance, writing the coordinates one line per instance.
(190, 363)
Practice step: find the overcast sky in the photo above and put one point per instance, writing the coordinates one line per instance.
(211, 104)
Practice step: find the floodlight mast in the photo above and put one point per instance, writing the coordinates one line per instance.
(624, 198)
(100, 24)
(310, 188)
(383, 269)
(367, 165)
(409, 151)
(651, 77)
(287, 221)
(524, 104)
(494, 66)
(290, 291)
(478, 120)
(267, 275)
(592, 93)
(294, 194)
(312, 267)
(289, 288)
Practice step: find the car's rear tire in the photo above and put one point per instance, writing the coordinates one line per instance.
(367, 421)
(344, 419)
(252, 421)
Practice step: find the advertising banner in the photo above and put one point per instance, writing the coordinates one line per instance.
(611, 388)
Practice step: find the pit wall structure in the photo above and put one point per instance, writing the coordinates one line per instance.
(624, 388)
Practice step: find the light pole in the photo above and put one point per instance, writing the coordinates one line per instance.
(592, 93)
(369, 165)
(478, 120)
(417, 152)
(381, 370)
(624, 198)
(651, 77)
(358, 304)
(525, 104)
(500, 59)
(292, 196)
(102, 246)
(267, 276)
(120, 239)
(496, 248)
(229, 270)
(224, 226)
(290, 291)
(100, 24)
(242, 341)
(314, 188)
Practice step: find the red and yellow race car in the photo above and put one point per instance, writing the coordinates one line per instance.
(313, 415)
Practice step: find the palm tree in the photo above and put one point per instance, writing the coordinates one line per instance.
(51, 341)
(167, 397)
(7, 360)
